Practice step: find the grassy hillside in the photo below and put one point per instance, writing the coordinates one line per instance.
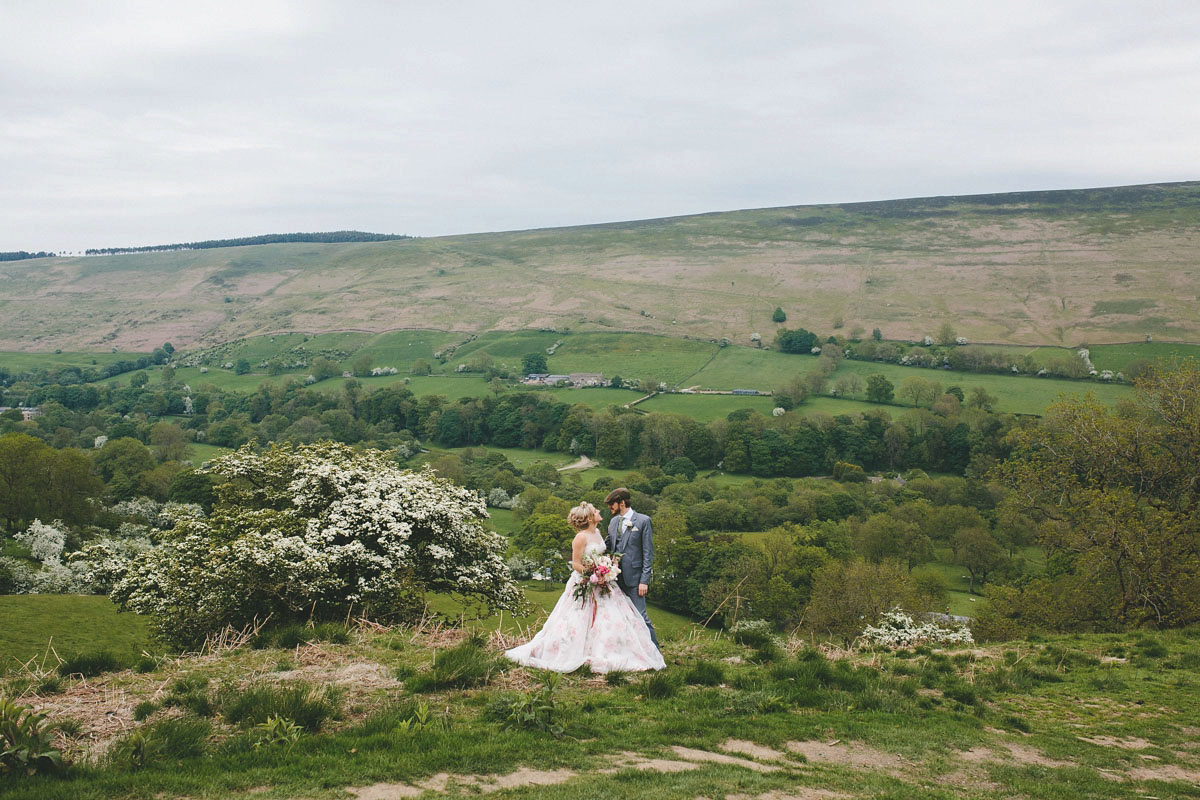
(430, 712)
(1101, 265)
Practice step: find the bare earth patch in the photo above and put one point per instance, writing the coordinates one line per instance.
(1165, 772)
(1110, 741)
(1016, 752)
(634, 761)
(753, 750)
(444, 781)
(855, 755)
(719, 758)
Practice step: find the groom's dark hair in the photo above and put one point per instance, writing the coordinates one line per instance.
(617, 495)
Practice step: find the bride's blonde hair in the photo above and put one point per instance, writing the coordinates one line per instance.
(581, 515)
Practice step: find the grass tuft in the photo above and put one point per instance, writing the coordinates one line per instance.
(305, 705)
(89, 664)
(461, 667)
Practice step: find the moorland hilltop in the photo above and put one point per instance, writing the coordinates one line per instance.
(1050, 267)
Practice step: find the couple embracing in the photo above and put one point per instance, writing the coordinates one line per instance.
(600, 619)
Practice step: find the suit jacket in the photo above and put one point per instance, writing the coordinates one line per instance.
(636, 546)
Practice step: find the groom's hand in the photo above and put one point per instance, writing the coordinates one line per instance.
(642, 589)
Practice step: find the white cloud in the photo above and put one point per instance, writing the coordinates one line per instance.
(139, 123)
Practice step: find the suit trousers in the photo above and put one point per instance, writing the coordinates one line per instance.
(640, 604)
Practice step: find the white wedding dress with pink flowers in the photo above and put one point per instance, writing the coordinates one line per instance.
(603, 631)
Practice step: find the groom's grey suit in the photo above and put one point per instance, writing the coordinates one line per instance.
(635, 543)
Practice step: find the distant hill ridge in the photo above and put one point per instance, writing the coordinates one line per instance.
(270, 238)
(1063, 267)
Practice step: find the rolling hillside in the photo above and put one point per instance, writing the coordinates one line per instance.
(1065, 267)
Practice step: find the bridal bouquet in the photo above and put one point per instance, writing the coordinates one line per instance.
(600, 571)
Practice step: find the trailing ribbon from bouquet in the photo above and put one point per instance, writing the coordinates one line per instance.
(600, 571)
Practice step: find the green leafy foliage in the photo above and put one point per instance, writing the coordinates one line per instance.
(25, 740)
(532, 710)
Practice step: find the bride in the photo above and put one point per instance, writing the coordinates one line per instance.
(603, 631)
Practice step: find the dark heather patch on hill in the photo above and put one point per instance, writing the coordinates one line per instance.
(332, 237)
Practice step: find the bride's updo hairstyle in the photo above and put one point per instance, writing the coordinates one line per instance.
(580, 516)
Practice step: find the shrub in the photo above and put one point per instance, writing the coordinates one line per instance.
(89, 664)
(316, 531)
(752, 632)
(897, 629)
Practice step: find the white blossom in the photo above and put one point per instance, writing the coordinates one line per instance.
(316, 527)
(45, 542)
(897, 629)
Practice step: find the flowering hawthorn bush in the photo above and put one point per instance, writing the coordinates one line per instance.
(897, 629)
(316, 530)
(45, 542)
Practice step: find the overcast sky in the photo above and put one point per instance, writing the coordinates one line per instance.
(136, 123)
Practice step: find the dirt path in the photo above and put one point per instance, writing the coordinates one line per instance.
(583, 463)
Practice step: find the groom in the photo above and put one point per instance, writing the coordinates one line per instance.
(632, 535)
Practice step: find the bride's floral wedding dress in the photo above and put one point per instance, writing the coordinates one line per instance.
(603, 631)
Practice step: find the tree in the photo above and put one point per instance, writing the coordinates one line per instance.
(139, 379)
(779, 316)
(323, 368)
(169, 441)
(976, 549)
(920, 391)
(795, 341)
(982, 399)
(242, 366)
(846, 597)
(1116, 501)
(877, 334)
(420, 367)
(361, 365)
(316, 532)
(946, 334)
(879, 389)
(534, 364)
(39, 482)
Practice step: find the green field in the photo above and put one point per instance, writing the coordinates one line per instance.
(679, 362)
(706, 407)
(22, 361)
(37, 626)
(1016, 394)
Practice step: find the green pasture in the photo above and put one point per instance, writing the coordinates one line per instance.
(595, 398)
(36, 626)
(1118, 357)
(749, 368)
(17, 362)
(201, 453)
(706, 407)
(1016, 394)
(632, 356)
